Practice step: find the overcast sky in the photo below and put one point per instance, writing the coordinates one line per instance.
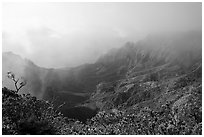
(70, 34)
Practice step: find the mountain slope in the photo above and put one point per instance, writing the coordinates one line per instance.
(117, 73)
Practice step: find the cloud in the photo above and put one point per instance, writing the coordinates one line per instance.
(49, 48)
(70, 34)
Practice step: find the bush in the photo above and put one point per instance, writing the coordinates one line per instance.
(24, 114)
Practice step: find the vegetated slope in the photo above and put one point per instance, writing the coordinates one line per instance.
(170, 106)
(141, 89)
(153, 61)
(147, 91)
(27, 115)
(139, 74)
(177, 110)
(158, 57)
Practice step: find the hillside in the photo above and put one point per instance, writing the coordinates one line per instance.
(171, 107)
(117, 79)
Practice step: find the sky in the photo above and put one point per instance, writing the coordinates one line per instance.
(55, 35)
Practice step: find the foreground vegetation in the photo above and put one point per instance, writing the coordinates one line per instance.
(24, 114)
(164, 108)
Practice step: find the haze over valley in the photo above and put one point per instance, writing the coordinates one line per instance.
(82, 32)
(105, 65)
(74, 85)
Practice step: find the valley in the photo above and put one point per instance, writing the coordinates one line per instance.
(136, 75)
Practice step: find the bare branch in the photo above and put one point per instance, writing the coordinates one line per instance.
(60, 106)
(11, 75)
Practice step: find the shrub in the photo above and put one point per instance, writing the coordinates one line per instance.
(24, 114)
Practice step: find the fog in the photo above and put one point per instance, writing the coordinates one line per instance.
(70, 34)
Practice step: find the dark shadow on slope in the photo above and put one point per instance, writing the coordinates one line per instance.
(80, 113)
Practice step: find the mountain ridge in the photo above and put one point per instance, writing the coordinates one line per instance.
(134, 62)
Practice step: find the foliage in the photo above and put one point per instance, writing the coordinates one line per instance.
(24, 114)
(176, 111)
(27, 115)
(175, 108)
(154, 76)
(144, 122)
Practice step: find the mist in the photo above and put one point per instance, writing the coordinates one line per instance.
(55, 35)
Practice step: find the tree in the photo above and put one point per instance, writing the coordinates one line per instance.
(16, 81)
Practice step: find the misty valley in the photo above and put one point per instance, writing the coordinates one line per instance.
(149, 87)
